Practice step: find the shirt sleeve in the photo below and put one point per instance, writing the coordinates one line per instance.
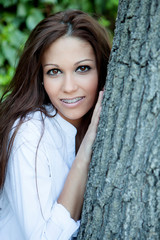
(61, 220)
(31, 192)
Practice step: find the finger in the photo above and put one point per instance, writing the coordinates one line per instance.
(96, 118)
(99, 101)
(98, 106)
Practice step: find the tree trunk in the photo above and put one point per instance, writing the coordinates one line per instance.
(122, 199)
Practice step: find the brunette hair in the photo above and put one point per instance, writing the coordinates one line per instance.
(26, 93)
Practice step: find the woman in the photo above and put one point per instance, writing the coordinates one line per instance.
(48, 123)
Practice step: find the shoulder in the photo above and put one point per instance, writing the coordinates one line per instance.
(31, 124)
(27, 131)
(36, 127)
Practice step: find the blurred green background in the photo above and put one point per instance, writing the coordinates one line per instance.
(18, 18)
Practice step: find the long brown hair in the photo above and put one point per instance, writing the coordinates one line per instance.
(25, 93)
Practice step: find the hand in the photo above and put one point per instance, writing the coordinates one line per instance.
(72, 194)
(85, 150)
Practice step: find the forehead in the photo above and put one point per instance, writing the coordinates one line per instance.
(69, 47)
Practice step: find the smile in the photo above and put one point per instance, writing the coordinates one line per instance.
(73, 100)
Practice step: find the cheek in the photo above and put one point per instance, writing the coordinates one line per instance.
(50, 88)
(92, 91)
(47, 88)
(93, 87)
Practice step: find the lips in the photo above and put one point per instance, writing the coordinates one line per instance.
(71, 100)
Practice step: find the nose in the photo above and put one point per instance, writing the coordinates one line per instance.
(69, 83)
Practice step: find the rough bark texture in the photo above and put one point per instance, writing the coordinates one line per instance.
(122, 199)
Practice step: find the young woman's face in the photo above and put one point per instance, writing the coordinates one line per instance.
(70, 77)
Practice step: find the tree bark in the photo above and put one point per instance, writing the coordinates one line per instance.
(122, 199)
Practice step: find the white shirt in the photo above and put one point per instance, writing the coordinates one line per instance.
(28, 203)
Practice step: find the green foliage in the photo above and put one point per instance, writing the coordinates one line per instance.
(19, 17)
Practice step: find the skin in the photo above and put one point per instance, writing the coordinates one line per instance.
(70, 75)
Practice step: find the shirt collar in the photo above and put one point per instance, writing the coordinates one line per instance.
(66, 126)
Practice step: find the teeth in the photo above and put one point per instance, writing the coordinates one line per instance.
(71, 100)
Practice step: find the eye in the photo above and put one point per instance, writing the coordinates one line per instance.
(54, 72)
(83, 69)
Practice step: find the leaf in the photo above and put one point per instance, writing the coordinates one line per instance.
(8, 17)
(104, 22)
(111, 4)
(10, 53)
(6, 75)
(8, 3)
(21, 10)
(17, 38)
(34, 18)
(2, 58)
(49, 1)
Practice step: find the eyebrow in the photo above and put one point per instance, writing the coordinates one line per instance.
(56, 65)
(50, 64)
(83, 61)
